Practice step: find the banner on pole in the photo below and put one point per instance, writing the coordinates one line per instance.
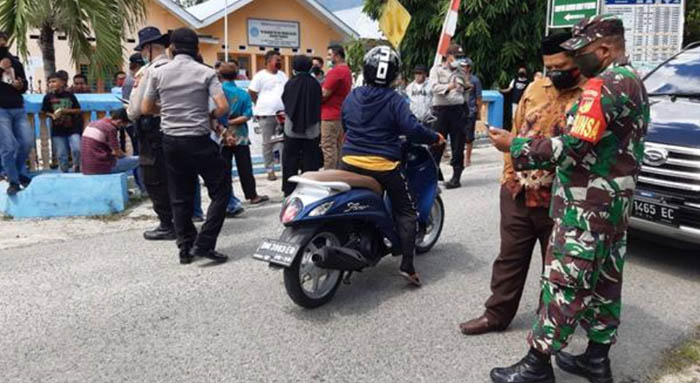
(394, 22)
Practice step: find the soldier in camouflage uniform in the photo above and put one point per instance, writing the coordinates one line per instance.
(597, 161)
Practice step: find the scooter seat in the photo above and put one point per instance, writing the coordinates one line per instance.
(356, 181)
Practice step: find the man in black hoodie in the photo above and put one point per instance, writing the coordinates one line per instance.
(16, 136)
(374, 117)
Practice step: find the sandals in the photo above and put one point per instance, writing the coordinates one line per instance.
(411, 278)
(259, 199)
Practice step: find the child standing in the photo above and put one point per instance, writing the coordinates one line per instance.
(64, 110)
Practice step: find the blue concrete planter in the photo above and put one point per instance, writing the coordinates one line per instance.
(67, 195)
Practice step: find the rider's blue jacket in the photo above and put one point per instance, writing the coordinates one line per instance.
(374, 118)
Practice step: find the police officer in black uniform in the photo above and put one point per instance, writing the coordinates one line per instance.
(152, 45)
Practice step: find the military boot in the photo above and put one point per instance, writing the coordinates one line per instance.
(594, 364)
(535, 367)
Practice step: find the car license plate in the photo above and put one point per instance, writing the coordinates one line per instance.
(277, 252)
(656, 211)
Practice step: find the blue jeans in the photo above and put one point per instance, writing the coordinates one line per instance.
(16, 140)
(233, 203)
(126, 164)
(61, 145)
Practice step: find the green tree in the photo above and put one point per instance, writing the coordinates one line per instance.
(497, 35)
(692, 22)
(79, 21)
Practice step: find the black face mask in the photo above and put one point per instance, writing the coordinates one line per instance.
(278, 65)
(522, 74)
(4, 52)
(589, 64)
(564, 79)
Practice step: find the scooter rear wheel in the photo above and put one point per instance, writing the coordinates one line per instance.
(308, 285)
(433, 228)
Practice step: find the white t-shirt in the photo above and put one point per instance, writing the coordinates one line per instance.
(269, 88)
(421, 98)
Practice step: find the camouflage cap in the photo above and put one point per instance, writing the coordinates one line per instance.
(593, 28)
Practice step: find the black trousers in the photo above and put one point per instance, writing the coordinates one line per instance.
(403, 208)
(185, 159)
(451, 122)
(155, 179)
(244, 165)
(521, 228)
(299, 154)
(133, 136)
(152, 162)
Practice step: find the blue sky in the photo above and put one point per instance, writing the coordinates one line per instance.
(337, 5)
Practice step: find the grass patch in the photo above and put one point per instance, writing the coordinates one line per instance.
(130, 205)
(681, 358)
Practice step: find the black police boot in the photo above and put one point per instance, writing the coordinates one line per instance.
(185, 257)
(454, 183)
(593, 364)
(535, 367)
(209, 254)
(160, 233)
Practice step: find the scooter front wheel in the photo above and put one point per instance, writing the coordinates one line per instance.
(308, 285)
(433, 227)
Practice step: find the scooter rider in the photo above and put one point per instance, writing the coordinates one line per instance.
(374, 117)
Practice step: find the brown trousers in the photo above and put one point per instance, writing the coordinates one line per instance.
(331, 143)
(521, 228)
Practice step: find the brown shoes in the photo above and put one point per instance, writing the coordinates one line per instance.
(480, 325)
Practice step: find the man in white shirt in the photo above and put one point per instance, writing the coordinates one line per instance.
(266, 92)
(420, 94)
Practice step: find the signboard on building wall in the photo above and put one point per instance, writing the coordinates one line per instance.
(653, 29)
(273, 33)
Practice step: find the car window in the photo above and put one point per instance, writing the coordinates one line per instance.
(680, 76)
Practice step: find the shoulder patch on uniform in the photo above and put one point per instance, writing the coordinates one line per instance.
(589, 124)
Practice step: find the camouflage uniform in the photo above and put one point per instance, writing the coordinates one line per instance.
(597, 161)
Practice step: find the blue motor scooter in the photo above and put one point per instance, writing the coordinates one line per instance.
(339, 222)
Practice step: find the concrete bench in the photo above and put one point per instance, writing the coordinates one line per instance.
(54, 194)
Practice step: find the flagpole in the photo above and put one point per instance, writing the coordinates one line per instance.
(226, 31)
(448, 30)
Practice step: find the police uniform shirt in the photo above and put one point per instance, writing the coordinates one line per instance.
(440, 79)
(184, 87)
(143, 76)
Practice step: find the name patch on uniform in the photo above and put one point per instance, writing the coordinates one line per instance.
(589, 124)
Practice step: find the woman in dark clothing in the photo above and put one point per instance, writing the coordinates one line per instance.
(302, 127)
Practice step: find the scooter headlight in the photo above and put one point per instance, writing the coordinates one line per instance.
(321, 209)
(291, 210)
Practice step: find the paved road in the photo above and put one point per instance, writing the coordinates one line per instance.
(116, 308)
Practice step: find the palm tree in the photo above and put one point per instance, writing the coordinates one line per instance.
(80, 20)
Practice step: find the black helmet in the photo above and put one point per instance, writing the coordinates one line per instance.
(381, 66)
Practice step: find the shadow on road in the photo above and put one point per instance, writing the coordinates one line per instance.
(379, 285)
(680, 263)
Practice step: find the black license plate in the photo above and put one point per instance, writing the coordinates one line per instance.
(277, 252)
(656, 211)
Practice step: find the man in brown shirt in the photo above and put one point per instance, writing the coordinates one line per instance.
(525, 196)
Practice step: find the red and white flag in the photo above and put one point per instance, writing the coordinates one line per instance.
(448, 30)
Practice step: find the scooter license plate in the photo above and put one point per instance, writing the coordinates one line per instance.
(277, 252)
